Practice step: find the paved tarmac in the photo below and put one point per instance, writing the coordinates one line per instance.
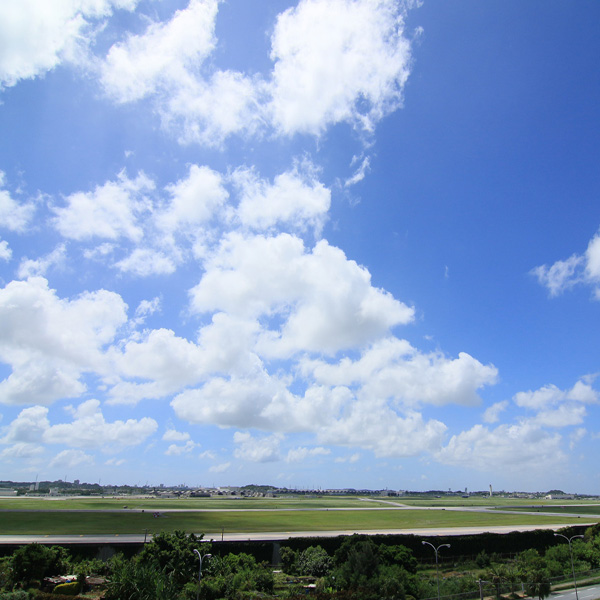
(271, 536)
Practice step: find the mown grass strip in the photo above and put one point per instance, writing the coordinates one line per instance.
(523, 503)
(583, 510)
(212, 523)
(180, 504)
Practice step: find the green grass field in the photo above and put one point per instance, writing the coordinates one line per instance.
(496, 501)
(579, 510)
(122, 515)
(212, 523)
(183, 504)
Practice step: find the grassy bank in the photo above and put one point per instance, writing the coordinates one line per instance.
(212, 523)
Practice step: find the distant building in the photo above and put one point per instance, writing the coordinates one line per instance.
(5, 492)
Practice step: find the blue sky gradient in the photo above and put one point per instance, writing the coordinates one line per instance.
(331, 243)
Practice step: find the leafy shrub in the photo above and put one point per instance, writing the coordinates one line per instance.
(483, 560)
(33, 562)
(18, 595)
(174, 554)
(132, 580)
(68, 589)
(37, 595)
(314, 561)
(288, 560)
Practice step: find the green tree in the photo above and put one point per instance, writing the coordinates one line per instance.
(538, 584)
(31, 563)
(288, 560)
(357, 561)
(494, 574)
(374, 572)
(135, 580)
(227, 576)
(398, 555)
(173, 553)
(533, 573)
(314, 561)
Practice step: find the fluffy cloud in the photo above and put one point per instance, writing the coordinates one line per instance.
(22, 451)
(5, 251)
(167, 362)
(13, 215)
(208, 111)
(175, 450)
(68, 459)
(592, 259)
(302, 453)
(375, 426)
(327, 301)
(33, 268)
(36, 36)
(369, 402)
(524, 447)
(527, 444)
(296, 199)
(261, 449)
(334, 61)
(171, 435)
(109, 212)
(492, 413)
(28, 427)
(42, 382)
(337, 60)
(166, 62)
(163, 55)
(392, 368)
(558, 408)
(49, 342)
(194, 200)
(577, 269)
(233, 402)
(143, 262)
(88, 430)
(221, 468)
(550, 395)
(335, 417)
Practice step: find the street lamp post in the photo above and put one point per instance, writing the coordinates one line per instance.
(571, 555)
(437, 572)
(200, 570)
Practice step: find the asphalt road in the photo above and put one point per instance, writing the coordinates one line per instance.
(583, 593)
(266, 536)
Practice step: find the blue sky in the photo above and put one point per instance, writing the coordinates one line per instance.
(331, 243)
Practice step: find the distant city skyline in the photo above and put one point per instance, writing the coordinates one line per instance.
(320, 243)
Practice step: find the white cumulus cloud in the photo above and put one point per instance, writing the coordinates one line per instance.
(163, 55)
(296, 199)
(111, 211)
(256, 449)
(576, 270)
(14, 216)
(337, 60)
(50, 342)
(37, 36)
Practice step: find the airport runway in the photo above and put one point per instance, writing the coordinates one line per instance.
(270, 536)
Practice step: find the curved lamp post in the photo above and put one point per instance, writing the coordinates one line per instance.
(200, 570)
(437, 572)
(571, 555)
